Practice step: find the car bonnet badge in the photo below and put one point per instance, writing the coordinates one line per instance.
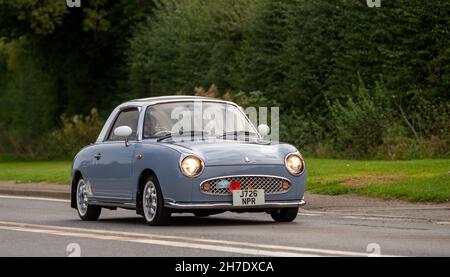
(223, 184)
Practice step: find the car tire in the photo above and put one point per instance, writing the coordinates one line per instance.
(153, 210)
(285, 214)
(85, 211)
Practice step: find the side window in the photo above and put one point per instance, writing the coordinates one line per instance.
(128, 118)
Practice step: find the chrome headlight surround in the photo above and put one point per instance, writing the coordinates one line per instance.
(191, 165)
(290, 162)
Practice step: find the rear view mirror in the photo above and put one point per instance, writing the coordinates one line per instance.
(263, 130)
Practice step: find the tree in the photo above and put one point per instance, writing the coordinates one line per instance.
(57, 60)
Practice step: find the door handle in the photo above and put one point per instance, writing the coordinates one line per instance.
(98, 156)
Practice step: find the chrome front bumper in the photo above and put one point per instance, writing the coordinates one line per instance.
(229, 206)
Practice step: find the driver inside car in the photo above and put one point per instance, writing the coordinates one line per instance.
(149, 125)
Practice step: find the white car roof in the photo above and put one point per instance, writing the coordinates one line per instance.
(175, 98)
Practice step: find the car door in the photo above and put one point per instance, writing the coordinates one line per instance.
(113, 159)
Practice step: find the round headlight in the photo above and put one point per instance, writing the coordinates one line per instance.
(191, 166)
(294, 163)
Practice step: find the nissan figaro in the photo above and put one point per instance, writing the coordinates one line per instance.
(186, 154)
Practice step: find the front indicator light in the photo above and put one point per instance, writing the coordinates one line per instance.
(285, 185)
(205, 187)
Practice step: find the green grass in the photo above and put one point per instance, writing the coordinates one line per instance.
(417, 180)
(26, 172)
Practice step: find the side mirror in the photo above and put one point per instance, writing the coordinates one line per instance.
(124, 132)
(263, 130)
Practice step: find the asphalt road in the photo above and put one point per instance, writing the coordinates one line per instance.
(49, 227)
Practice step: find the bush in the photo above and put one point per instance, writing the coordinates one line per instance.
(76, 132)
(375, 125)
(307, 57)
(358, 126)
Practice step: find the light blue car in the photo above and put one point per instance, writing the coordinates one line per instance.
(186, 154)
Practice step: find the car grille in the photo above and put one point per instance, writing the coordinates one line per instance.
(270, 185)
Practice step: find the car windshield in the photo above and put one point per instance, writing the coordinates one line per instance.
(196, 118)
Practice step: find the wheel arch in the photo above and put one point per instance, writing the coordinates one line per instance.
(147, 172)
(73, 189)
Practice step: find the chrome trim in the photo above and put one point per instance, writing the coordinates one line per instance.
(229, 206)
(128, 206)
(184, 156)
(245, 175)
(112, 202)
(110, 199)
(303, 160)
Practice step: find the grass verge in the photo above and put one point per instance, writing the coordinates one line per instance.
(415, 180)
(33, 172)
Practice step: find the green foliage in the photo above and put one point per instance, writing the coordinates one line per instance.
(359, 125)
(350, 81)
(76, 132)
(189, 44)
(55, 60)
(28, 106)
(19, 16)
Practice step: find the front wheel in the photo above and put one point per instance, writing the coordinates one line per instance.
(153, 204)
(285, 214)
(85, 211)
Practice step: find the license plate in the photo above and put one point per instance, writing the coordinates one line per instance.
(252, 197)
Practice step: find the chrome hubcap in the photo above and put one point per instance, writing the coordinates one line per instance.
(82, 200)
(150, 201)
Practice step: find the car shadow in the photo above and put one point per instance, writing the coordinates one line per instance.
(192, 221)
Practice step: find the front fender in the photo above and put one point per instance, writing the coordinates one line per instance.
(164, 162)
(82, 161)
(80, 164)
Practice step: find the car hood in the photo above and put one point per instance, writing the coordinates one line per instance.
(229, 152)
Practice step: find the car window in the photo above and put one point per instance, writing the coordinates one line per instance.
(128, 118)
(217, 118)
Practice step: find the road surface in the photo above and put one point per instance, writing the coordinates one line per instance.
(49, 227)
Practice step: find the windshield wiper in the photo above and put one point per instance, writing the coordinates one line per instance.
(166, 136)
(238, 133)
(182, 134)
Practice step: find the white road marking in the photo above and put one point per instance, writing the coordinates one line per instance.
(248, 251)
(422, 207)
(375, 217)
(302, 212)
(308, 214)
(372, 218)
(243, 248)
(34, 198)
(442, 222)
(367, 217)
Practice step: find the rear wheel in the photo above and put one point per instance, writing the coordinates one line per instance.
(85, 211)
(153, 204)
(284, 214)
